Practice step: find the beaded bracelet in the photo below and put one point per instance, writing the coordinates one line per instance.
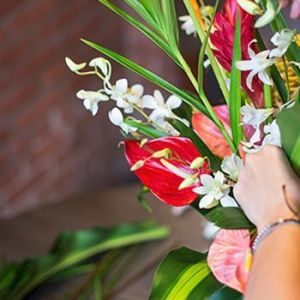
(270, 228)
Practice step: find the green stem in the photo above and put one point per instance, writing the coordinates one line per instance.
(286, 75)
(268, 96)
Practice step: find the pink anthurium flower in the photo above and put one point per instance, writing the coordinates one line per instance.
(222, 40)
(230, 258)
(170, 167)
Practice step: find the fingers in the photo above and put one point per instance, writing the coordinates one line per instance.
(295, 9)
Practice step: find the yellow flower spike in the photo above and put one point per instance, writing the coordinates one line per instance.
(165, 153)
(139, 164)
(249, 260)
(197, 162)
(189, 181)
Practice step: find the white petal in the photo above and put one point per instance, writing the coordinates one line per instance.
(137, 89)
(87, 104)
(174, 102)
(208, 201)
(149, 101)
(244, 65)
(122, 85)
(264, 77)
(206, 180)
(159, 97)
(250, 79)
(116, 117)
(228, 201)
(94, 108)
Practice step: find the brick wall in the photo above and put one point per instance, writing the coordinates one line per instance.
(50, 147)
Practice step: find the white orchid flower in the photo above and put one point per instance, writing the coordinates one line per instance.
(125, 96)
(215, 190)
(161, 109)
(116, 117)
(188, 25)
(91, 99)
(272, 136)
(103, 64)
(232, 165)
(74, 67)
(255, 117)
(282, 40)
(257, 65)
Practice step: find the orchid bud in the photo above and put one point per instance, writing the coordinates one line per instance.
(250, 7)
(268, 16)
(102, 63)
(197, 163)
(74, 67)
(165, 153)
(139, 164)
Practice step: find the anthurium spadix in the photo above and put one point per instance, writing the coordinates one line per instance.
(167, 167)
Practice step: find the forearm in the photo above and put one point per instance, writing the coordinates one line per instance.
(276, 270)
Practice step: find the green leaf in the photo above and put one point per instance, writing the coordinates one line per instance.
(127, 63)
(197, 141)
(71, 248)
(226, 293)
(170, 23)
(235, 87)
(152, 35)
(145, 129)
(226, 217)
(289, 124)
(183, 274)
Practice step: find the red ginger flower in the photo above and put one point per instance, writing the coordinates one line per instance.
(223, 39)
(164, 166)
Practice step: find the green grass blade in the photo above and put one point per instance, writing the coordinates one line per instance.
(129, 64)
(235, 87)
(146, 129)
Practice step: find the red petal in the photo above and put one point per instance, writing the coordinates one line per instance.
(227, 258)
(209, 132)
(160, 180)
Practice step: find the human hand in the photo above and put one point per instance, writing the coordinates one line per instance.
(295, 7)
(259, 189)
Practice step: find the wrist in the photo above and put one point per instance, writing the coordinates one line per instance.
(274, 215)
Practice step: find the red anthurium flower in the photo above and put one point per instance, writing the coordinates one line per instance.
(230, 258)
(210, 133)
(170, 167)
(223, 39)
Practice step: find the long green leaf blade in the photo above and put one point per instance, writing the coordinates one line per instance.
(235, 87)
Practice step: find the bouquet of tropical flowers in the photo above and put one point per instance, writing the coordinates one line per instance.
(186, 151)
